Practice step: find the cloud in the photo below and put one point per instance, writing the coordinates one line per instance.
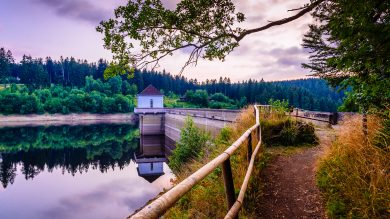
(170, 4)
(78, 9)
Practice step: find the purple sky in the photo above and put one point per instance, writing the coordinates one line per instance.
(67, 27)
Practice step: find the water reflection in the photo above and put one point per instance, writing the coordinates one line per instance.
(151, 157)
(99, 171)
(69, 148)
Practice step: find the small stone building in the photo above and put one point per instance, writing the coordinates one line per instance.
(150, 97)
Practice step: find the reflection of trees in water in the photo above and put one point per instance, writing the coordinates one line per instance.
(73, 149)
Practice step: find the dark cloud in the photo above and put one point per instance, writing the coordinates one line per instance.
(290, 61)
(78, 9)
(287, 51)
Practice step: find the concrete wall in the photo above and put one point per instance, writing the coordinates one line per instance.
(210, 120)
(151, 124)
(69, 119)
(213, 114)
(174, 123)
(144, 101)
(171, 123)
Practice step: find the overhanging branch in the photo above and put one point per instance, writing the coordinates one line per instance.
(280, 22)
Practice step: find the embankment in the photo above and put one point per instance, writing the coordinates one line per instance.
(68, 119)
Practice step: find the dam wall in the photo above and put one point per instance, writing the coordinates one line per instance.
(170, 122)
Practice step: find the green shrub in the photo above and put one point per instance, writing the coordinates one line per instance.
(108, 105)
(219, 97)
(30, 104)
(123, 105)
(287, 132)
(193, 141)
(279, 106)
(54, 105)
(10, 103)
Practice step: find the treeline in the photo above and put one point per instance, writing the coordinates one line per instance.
(311, 94)
(113, 96)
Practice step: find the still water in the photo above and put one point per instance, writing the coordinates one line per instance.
(99, 171)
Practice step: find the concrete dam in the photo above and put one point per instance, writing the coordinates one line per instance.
(161, 127)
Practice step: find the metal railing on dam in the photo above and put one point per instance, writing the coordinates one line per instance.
(159, 206)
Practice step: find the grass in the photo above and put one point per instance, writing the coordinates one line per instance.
(173, 101)
(353, 174)
(207, 199)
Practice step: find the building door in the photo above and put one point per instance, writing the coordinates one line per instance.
(151, 103)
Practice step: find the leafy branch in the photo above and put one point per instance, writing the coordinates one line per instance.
(207, 29)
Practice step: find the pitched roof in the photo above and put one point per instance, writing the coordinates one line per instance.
(150, 90)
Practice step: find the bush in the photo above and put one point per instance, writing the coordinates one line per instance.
(199, 97)
(123, 105)
(278, 106)
(54, 105)
(192, 142)
(219, 97)
(286, 132)
(218, 105)
(108, 105)
(43, 95)
(10, 103)
(93, 102)
(30, 104)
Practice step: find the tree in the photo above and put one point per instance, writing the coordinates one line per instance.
(32, 72)
(351, 47)
(350, 44)
(209, 28)
(6, 60)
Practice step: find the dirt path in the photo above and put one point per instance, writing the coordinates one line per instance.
(289, 184)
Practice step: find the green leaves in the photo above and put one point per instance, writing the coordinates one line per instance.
(351, 45)
(118, 69)
(192, 143)
(204, 27)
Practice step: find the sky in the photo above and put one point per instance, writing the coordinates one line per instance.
(55, 28)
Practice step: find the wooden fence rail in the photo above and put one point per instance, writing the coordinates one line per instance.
(159, 206)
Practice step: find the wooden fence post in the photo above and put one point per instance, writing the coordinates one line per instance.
(249, 154)
(228, 181)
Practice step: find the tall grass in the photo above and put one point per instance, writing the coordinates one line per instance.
(354, 172)
(207, 199)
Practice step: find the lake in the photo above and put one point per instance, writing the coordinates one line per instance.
(96, 171)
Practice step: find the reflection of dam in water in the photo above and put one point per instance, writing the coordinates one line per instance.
(151, 157)
(160, 129)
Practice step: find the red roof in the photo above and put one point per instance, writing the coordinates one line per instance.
(149, 91)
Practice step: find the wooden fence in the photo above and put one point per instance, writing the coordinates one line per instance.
(159, 206)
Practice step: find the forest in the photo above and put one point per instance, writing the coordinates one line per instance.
(70, 85)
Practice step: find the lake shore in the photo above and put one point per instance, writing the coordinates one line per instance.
(66, 119)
